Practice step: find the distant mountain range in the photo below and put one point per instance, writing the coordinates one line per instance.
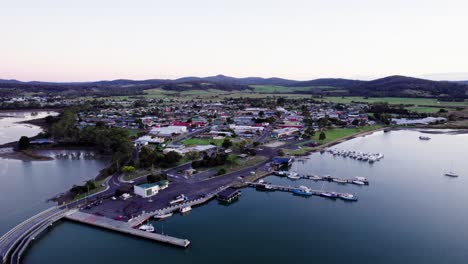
(388, 86)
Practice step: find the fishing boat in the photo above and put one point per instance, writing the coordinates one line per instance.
(264, 187)
(293, 176)
(348, 197)
(331, 195)
(357, 182)
(162, 215)
(328, 178)
(185, 209)
(338, 180)
(147, 228)
(303, 191)
(451, 174)
(362, 179)
(424, 138)
(315, 177)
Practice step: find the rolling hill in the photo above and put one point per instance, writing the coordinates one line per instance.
(392, 86)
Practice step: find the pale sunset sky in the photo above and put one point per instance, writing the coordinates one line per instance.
(88, 40)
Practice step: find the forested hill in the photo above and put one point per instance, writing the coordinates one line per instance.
(408, 86)
(388, 86)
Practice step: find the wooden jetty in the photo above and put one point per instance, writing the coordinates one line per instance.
(124, 227)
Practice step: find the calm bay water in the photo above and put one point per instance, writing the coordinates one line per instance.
(25, 186)
(410, 213)
(11, 131)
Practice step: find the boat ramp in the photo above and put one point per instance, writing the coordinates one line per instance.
(124, 227)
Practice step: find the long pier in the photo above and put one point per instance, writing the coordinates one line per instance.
(335, 179)
(124, 227)
(356, 180)
(284, 188)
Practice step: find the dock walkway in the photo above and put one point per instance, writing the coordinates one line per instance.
(284, 188)
(124, 227)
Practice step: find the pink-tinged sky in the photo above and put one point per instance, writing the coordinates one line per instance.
(140, 39)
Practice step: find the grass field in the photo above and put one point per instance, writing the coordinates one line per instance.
(396, 101)
(202, 141)
(338, 133)
(422, 109)
(282, 89)
(331, 136)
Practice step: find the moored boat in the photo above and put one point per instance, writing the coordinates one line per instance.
(357, 182)
(451, 174)
(147, 228)
(264, 187)
(331, 195)
(162, 215)
(294, 176)
(185, 209)
(303, 191)
(424, 138)
(338, 180)
(348, 197)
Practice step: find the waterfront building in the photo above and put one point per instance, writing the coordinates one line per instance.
(146, 190)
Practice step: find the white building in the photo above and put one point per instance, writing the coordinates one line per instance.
(245, 129)
(146, 190)
(145, 140)
(168, 131)
(284, 132)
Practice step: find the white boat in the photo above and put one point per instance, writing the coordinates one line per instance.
(185, 209)
(451, 174)
(293, 176)
(340, 180)
(147, 228)
(163, 215)
(348, 197)
(315, 177)
(358, 182)
(331, 195)
(380, 156)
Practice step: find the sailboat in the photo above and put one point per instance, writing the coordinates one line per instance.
(451, 173)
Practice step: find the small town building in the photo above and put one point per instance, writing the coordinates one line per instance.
(146, 190)
(284, 132)
(168, 131)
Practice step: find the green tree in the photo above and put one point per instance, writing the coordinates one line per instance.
(23, 143)
(227, 143)
(128, 169)
(322, 136)
(221, 171)
(192, 155)
(281, 152)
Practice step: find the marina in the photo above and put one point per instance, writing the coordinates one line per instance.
(306, 191)
(355, 180)
(392, 187)
(357, 155)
